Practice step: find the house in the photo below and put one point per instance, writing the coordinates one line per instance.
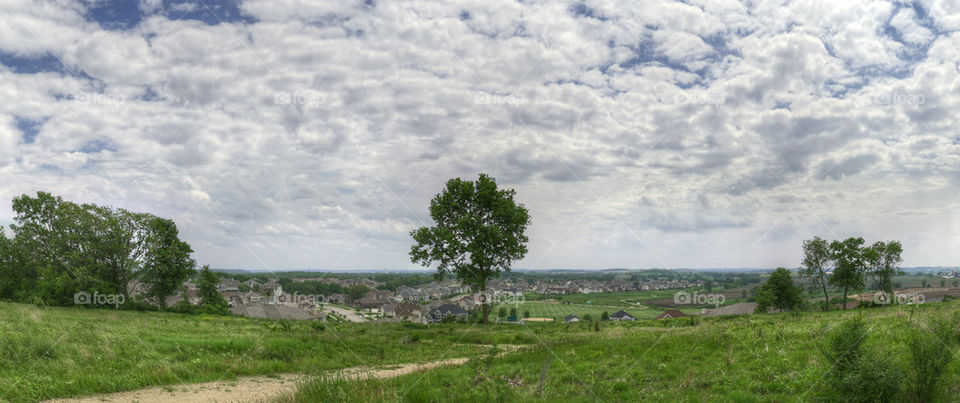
(272, 288)
(571, 318)
(438, 314)
(671, 314)
(622, 316)
(368, 303)
(380, 295)
(252, 283)
(340, 299)
(407, 311)
(233, 297)
(251, 297)
(389, 309)
(228, 285)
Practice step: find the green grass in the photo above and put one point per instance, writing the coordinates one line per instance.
(772, 358)
(67, 352)
(58, 352)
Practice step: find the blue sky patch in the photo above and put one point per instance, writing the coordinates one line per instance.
(29, 127)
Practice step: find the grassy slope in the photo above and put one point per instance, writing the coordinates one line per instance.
(59, 352)
(750, 358)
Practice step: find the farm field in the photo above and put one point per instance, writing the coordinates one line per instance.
(654, 299)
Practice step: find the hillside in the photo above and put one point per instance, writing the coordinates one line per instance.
(62, 352)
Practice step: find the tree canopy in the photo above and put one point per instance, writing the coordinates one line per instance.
(60, 248)
(478, 232)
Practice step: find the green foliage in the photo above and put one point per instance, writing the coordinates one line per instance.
(929, 360)
(357, 291)
(502, 312)
(60, 248)
(478, 232)
(167, 262)
(779, 292)
(883, 262)
(605, 316)
(849, 265)
(210, 299)
(855, 375)
(816, 258)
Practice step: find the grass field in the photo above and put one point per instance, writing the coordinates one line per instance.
(63, 352)
(769, 358)
(56, 352)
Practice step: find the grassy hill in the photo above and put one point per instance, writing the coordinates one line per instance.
(60, 352)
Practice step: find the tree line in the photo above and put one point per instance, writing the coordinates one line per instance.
(60, 248)
(841, 264)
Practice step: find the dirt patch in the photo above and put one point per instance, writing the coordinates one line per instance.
(259, 388)
(246, 389)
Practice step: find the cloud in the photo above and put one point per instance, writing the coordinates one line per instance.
(289, 134)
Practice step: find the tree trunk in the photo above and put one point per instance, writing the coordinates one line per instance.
(844, 298)
(826, 297)
(484, 307)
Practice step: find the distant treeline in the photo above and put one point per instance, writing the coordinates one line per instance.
(59, 251)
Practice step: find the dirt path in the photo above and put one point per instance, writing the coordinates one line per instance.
(256, 388)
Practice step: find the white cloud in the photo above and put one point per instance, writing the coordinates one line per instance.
(711, 133)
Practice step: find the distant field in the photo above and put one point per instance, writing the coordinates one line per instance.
(559, 311)
(653, 299)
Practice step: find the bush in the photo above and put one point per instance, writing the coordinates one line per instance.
(844, 347)
(854, 378)
(875, 380)
(929, 358)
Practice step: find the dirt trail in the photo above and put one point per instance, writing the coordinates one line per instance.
(256, 388)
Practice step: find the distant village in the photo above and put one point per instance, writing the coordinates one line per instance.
(433, 302)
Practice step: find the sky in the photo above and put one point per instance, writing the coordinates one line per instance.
(290, 134)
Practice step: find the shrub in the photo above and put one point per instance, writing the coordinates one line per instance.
(853, 377)
(929, 358)
(844, 347)
(874, 380)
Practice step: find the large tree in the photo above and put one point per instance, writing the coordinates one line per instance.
(883, 259)
(816, 259)
(478, 233)
(849, 266)
(167, 262)
(61, 247)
